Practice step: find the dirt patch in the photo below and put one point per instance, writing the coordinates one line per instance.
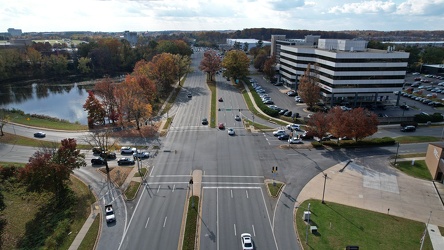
(118, 175)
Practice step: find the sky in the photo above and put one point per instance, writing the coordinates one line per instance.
(158, 15)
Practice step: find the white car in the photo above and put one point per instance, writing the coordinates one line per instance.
(279, 132)
(127, 150)
(294, 127)
(231, 131)
(141, 154)
(247, 242)
(295, 140)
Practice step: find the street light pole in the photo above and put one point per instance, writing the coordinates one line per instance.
(323, 192)
(397, 150)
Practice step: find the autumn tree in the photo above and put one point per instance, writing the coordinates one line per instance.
(236, 63)
(259, 60)
(269, 69)
(339, 122)
(318, 124)
(183, 65)
(210, 64)
(308, 88)
(51, 172)
(163, 71)
(105, 90)
(360, 123)
(4, 119)
(95, 110)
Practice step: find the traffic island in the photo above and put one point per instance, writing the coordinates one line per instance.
(274, 187)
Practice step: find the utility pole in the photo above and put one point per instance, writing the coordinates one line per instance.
(397, 150)
(323, 192)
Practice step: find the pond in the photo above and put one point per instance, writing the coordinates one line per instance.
(64, 101)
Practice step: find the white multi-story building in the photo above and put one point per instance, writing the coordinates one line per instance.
(347, 70)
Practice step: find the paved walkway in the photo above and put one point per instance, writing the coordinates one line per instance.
(389, 191)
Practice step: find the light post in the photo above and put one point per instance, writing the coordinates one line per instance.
(403, 109)
(397, 150)
(192, 194)
(323, 192)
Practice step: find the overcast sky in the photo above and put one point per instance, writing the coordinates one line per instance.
(155, 15)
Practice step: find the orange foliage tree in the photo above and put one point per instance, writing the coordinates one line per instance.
(318, 124)
(210, 64)
(308, 88)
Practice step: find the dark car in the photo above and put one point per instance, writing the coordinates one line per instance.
(408, 129)
(404, 107)
(282, 112)
(204, 121)
(292, 93)
(108, 155)
(98, 161)
(288, 113)
(221, 126)
(189, 95)
(97, 150)
(125, 161)
(221, 99)
(284, 137)
(40, 135)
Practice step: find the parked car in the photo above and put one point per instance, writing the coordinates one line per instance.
(189, 95)
(284, 137)
(268, 101)
(279, 132)
(294, 127)
(295, 140)
(307, 135)
(141, 154)
(404, 107)
(98, 161)
(282, 112)
(292, 93)
(39, 135)
(204, 121)
(408, 129)
(127, 150)
(125, 161)
(288, 113)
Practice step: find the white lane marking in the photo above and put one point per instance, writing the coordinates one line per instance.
(246, 192)
(217, 217)
(231, 191)
(231, 187)
(254, 232)
(233, 183)
(234, 176)
(269, 220)
(235, 229)
(171, 176)
(158, 189)
(152, 170)
(146, 224)
(174, 187)
(164, 222)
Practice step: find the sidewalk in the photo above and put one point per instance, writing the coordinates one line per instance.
(388, 191)
(95, 211)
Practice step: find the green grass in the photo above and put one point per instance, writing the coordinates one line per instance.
(131, 191)
(416, 139)
(31, 142)
(191, 224)
(418, 170)
(91, 236)
(274, 189)
(340, 226)
(212, 87)
(43, 122)
(412, 155)
(168, 123)
(256, 125)
(142, 170)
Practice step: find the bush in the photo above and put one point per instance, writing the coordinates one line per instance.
(316, 144)
(423, 118)
(385, 141)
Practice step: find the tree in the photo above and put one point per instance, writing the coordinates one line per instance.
(339, 123)
(183, 65)
(83, 66)
(100, 138)
(4, 119)
(210, 64)
(163, 71)
(259, 44)
(96, 112)
(318, 124)
(105, 90)
(237, 45)
(245, 47)
(269, 69)
(361, 123)
(51, 172)
(308, 88)
(259, 61)
(236, 63)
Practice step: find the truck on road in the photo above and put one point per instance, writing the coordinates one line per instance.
(109, 214)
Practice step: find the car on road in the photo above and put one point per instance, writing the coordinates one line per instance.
(221, 99)
(247, 242)
(127, 150)
(221, 126)
(98, 161)
(279, 132)
(189, 95)
(39, 135)
(141, 155)
(97, 150)
(408, 129)
(237, 118)
(231, 131)
(125, 161)
(284, 137)
(294, 127)
(292, 93)
(108, 155)
(295, 140)
(204, 121)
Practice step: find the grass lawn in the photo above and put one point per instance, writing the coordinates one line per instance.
(416, 139)
(212, 120)
(191, 224)
(340, 226)
(274, 189)
(418, 170)
(91, 236)
(31, 142)
(43, 122)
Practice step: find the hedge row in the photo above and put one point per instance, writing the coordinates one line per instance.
(385, 141)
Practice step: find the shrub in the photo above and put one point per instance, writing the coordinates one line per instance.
(423, 118)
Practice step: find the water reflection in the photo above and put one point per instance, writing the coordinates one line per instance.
(61, 101)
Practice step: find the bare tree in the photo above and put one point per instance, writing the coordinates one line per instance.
(100, 138)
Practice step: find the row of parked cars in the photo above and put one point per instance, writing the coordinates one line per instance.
(428, 99)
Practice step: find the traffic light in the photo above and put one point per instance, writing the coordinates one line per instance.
(274, 169)
(239, 110)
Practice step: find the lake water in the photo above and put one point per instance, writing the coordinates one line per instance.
(60, 101)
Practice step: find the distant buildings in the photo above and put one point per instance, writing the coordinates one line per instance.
(348, 71)
(14, 32)
(131, 37)
(251, 43)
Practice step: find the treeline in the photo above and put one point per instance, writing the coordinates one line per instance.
(93, 59)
